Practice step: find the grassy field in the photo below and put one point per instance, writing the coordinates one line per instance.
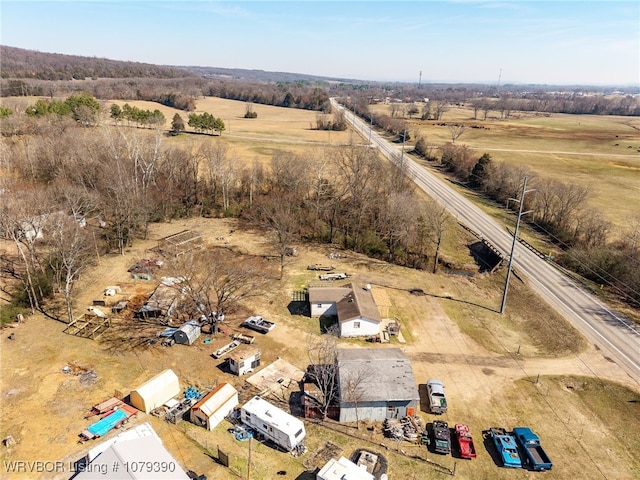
(602, 152)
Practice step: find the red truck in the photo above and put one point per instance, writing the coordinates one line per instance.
(465, 442)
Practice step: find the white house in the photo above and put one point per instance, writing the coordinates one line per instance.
(154, 393)
(215, 406)
(354, 307)
(276, 425)
(343, 469)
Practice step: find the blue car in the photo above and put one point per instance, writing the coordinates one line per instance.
(506, 446)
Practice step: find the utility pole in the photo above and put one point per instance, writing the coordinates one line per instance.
(420, 80)
(515, 239)
(249, 459)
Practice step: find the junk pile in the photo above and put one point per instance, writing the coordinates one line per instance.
(406, 428)
(177, 412)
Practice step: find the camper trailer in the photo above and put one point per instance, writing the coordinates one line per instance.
(276, 425)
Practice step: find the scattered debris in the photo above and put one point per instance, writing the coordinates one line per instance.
(88, 378)
(406, 428)
(11, 336)
(321, 267)
(8, 441)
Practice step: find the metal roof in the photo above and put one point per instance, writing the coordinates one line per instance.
(386, 374)
(215, 399)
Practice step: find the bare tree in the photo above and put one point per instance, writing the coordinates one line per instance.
(218, 280)
(440, 108)
(322, 352)
(456, 130)
(70, 254)
(22, 222)
(279, 216)
(437, 218)
(352, 389)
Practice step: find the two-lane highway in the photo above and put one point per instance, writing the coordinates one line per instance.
(616, 336)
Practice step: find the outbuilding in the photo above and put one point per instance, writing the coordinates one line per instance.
(133, 456)
(375, 384)
(343, 469)
(214, 406)
(155, 392)
(187, 333)
(244, 359)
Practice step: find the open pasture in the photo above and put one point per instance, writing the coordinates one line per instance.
(600, 151)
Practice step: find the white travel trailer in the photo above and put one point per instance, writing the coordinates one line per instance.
(276, 425)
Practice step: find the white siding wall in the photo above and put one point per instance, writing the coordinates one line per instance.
(327, 308)
(360, 327)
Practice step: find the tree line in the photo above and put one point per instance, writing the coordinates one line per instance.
(72, 193)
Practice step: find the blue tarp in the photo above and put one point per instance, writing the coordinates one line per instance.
(102, 427)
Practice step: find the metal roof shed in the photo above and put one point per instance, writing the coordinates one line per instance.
(187, 333)
(214, 406)
(343, 469)
(155, 392)
(143, 458)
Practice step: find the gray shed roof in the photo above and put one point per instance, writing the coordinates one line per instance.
(388, 375)
(328, 294)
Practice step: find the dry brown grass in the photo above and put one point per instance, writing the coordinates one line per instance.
(602, 152)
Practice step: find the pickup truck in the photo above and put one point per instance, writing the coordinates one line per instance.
(506, 446)
(535, 455)
(437, 400)
(441, 437)
(258, 324)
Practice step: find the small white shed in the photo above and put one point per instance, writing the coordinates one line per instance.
(244, 360)
(343, 469)
(214, 406)
(155, 392)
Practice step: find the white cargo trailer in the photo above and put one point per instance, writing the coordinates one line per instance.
(276, 425)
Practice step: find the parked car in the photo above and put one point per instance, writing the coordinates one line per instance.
(506, 446)
(534, 454)
(437, 399)
(465, 442)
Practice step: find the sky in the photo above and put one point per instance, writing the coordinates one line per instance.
(497, 42)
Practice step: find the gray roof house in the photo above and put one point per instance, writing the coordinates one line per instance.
(375, 383)
(353, 306)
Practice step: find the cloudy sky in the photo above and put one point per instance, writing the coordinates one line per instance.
(542, 42)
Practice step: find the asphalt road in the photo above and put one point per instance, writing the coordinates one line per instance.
(616, 336)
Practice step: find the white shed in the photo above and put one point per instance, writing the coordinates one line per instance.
(214, 406)
(343, 469)
(244, 360)
(155, 392)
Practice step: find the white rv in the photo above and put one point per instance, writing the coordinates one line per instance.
(276, 425)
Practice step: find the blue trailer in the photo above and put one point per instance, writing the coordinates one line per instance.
(535, 455)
